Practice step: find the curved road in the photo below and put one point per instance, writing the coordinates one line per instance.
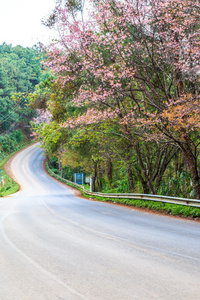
(54, 245)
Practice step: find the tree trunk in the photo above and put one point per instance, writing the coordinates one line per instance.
(130, 178)
(176, 165)
(192, 166)
(109, 170)
(144, 169)
(143, 182)
(99, 181)
(94, 178)
(60, 169)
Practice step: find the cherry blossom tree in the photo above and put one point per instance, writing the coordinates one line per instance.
(43, 116)
(136, 63)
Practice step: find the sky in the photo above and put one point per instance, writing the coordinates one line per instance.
(20, 22)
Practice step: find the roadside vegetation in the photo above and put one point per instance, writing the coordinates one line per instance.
(10, 186)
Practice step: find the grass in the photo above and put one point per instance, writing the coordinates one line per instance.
(10, 186)
(167, 208)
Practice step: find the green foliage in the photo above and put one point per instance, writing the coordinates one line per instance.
(50, 171)
(10, 186)
(50, 135)
(179, 185)
(20, 71)
(9, 142)
(118, 186)
(65, 172)
(21, 66)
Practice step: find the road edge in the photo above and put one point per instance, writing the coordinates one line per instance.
(7, 167)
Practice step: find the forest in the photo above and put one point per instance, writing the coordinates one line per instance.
(20, 72)
(119, 95)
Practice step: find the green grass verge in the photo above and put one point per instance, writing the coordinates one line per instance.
(168, 208)
(10, 186)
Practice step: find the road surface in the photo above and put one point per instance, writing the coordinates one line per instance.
(54, 245)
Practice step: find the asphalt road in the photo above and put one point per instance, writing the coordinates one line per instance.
(54, 245)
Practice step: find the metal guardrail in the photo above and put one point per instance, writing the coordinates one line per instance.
(145, 197)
